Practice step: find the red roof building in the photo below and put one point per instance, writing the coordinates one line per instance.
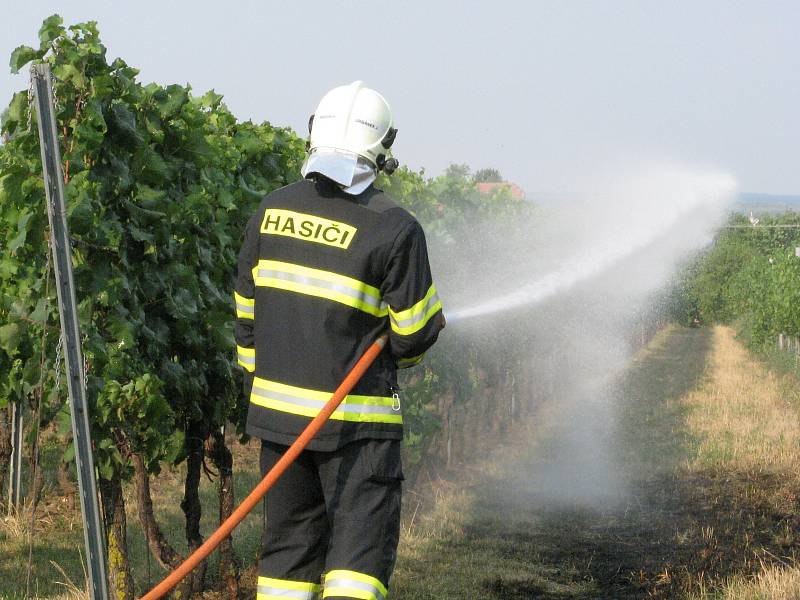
(487, 187)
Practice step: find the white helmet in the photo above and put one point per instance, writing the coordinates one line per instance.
(350, 136)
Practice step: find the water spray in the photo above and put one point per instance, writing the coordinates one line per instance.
(687, 196)
(580, 278)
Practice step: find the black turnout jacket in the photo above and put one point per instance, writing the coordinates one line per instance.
(322, 274)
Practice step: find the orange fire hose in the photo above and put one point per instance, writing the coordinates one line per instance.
(171, 580)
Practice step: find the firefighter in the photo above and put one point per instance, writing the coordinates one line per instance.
(327, 265)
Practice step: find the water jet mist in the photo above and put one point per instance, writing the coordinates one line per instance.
(575, 285)
(611, 226)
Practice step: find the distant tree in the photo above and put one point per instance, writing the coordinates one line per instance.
(749, 277)
(455, 171)
(487, 175)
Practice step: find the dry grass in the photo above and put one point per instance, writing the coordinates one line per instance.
(72, 591)
(58, 571)
(744, 420)
(16, 525)
(772, 583)
(744, 415)
(423, 527)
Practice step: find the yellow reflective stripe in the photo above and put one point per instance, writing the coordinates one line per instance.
(307, 403)
(352, 584)
(319, 283)
(245, 307)
(405, 363)
(285, 589)
(246, 357)
(411, 320)
(418, 308)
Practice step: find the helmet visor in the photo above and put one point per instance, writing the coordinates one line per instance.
(351, 171)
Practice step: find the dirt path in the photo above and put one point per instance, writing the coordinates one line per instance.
(658, 531)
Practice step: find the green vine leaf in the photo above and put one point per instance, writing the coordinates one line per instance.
(50, 30)
(21, 56)
(10, 335)
(22, 231)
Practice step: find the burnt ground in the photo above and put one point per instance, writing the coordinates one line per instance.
(667, 533)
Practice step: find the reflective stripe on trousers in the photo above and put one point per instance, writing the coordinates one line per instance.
(352, 584)
(285, 589)
(307, 403)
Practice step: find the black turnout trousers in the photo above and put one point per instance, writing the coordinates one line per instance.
(335, 513)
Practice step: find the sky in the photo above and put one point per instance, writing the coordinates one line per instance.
(541, 90)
